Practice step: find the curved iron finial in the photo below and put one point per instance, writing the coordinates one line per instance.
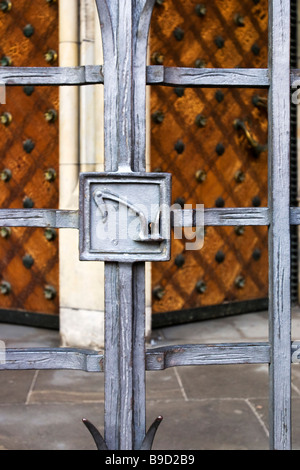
(101, 444)
(148, 441)
(99, 441)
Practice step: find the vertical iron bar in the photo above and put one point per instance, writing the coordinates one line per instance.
(125, 26)
(119, 356)
(279, 233)
(294, 165)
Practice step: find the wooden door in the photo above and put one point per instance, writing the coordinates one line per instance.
(29, 165)
(214, 144)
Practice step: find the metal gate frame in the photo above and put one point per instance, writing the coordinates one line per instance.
(125, 25)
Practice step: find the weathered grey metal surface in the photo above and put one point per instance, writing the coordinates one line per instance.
(54, 358)
(155, 74)
(179, 218)
(162, 358)
(38, 218)
(221, 217)
(125, 26)
(193, 77)
(156, 358)
(279, 232)
(84, 75)
(105, 236)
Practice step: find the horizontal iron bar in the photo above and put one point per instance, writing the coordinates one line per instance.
(56, 218)
(156, 75)
(54, 358)
(170, 76)
(38, 218)
(156, 359)
(84, 75)
(221, 217)
(208, 354)
(230, 216)
(205, 77)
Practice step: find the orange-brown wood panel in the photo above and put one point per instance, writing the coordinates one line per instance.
(211, 160)
(29, 151)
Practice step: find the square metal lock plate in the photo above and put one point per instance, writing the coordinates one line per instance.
(125, 217)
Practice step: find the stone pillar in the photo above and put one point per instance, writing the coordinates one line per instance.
(81, 283)
(81, 150)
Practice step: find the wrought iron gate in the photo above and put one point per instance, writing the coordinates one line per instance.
(125, 25)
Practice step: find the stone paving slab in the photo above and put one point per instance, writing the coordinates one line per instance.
(65, 386)
(48, 427)
(204, 407)
(225, 381)
(208, 425)
(15, 385)
(18, 336)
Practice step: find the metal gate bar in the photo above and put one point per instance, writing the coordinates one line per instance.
(279, 231)
(156, 359)
(155, 75)
(125, 26)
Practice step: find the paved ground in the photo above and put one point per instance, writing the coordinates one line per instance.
(204, 408)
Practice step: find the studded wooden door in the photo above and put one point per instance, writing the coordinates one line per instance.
(29, 164)
(214, 144)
